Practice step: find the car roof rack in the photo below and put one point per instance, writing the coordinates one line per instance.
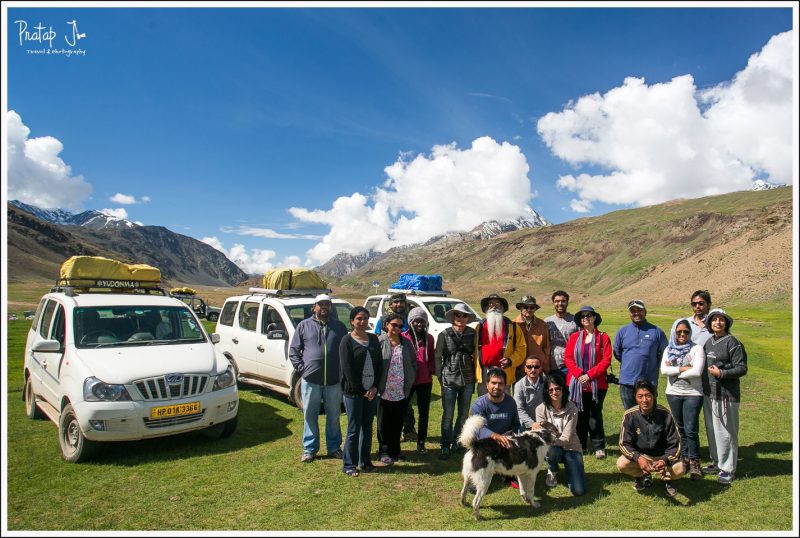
(435, 293)
(288, 293)
(73, 287)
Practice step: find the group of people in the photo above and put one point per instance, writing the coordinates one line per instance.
(525, 371)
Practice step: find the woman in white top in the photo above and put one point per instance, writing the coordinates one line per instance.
(683, 363)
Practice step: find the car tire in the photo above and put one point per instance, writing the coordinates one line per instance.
(235, 368)
(297, 394)
(222, 430)
(75, 447)
(31, 409)
(213, 316)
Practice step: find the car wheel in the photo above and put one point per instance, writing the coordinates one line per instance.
(213, 316)
(297, 394)
(75, 447)
(222, 430)
(235, 369)
(31, 409)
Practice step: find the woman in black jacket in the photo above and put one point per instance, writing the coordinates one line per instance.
(362, 365)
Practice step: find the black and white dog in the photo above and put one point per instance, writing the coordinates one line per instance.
(486, 458)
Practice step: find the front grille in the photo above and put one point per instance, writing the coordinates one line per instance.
(172, 421)
(157, 388)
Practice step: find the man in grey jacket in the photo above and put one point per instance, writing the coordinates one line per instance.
(528, 392)
(314, 353)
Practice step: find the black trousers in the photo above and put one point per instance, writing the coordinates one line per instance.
(390, 426)
(590, 421)
(423, 392)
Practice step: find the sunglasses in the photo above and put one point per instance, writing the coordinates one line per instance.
(683, 331)
(460, 315)
(698, 303)
(396, 325)
(532, 367)
(554, 390)
(529, 308)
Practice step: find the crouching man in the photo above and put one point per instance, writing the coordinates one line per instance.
(649, 442)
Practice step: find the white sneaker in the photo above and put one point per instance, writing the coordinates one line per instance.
(600, 454)
(552, 479)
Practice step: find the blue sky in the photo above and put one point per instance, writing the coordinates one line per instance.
(216, 122)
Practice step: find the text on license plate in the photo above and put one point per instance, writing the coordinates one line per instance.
(167, 411)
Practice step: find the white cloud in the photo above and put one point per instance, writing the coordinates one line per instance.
(119, 212)
(450, 189)
(668, 140)
(266, 233)
(36, 174)
(254, 261)
(125, 199)
(145, 199)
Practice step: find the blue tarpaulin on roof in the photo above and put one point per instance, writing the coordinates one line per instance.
(413, 281)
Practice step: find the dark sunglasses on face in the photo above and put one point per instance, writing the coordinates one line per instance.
(532, 367)
(698, 303)
(460, 315)
(396, 325)
(683, 331)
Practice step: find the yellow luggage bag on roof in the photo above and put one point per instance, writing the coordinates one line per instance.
(183, 291)
(293, 279)
(103, 272)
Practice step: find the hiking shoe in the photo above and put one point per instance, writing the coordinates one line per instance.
(600, 454)
(351, 472)
(444, 454)
(307, 457)
(386, 460)
(421, 448)
(694, 470)
(410, 436)
(338, 454)
(724, 478)
(369, 468)
(711, 468)
(670, 490)
(551, 480)
(638, 484)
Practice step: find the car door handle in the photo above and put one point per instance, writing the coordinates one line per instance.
(260, 348)
(235, 340)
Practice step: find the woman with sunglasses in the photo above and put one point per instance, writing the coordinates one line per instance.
(683, 363)
(558, 410)
(528, 391)
(399, 370)
(587, 358)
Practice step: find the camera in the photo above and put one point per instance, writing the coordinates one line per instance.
(647, 481)
(612, 379)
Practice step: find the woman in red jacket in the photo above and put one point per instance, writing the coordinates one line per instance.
(587, 358)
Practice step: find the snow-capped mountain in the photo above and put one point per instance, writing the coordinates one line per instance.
(529, 219)
(88, 219)
(761, 185)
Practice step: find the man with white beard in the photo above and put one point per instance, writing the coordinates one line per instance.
(498, 341)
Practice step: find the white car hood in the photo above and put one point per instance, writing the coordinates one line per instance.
(126, 364)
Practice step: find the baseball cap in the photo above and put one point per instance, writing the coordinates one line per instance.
(322, 297)
(637, 303)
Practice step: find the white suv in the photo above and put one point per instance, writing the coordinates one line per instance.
(255, 331)
(113, 365)
(435, 303)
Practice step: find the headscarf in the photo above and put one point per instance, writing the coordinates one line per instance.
(585, 364)
(678, 355)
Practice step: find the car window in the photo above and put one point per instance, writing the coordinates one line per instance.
(228, 313)
(372, 305)
(271, 320)
(248, 316)
(58, 330)
(135, 325)
(38, 313)
(47, 317)
(341, 311)
(299, 312)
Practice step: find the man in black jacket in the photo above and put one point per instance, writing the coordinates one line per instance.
(649, 441)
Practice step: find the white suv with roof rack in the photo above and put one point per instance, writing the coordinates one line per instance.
(255, 331)
(435, 304)
(118, 361)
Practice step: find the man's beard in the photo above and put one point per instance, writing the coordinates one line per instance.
(494, 323)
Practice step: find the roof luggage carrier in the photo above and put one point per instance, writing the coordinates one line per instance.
(289, 293)
(71, 287)
(434, 293)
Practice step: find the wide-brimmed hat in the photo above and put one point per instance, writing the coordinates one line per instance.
(488, 298)
(461, 308)
(587, 310)
(528, 300)
(719, 312)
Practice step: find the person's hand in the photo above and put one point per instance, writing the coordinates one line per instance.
(370, 394)
(504, 441)
(644, 464)
(583, 379)
(536, 426)
(713, 370)
(659, 466)
(505, 362)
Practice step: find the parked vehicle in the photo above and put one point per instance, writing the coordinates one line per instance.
(116, 360)
(435, 303)
(255, 331)
(197, 304)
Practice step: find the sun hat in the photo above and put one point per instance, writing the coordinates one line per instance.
(485, 302)
(719, 312)
(528, 300)
(461, 308)
(587, 310)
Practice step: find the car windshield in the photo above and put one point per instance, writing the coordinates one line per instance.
(299, 312)
(107, 326)
(438, 309)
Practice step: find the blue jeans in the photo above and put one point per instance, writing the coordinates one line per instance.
(451, 395)
(627, 396)
(358, 442)
(686, 412)
(573, 467)
(313, 395)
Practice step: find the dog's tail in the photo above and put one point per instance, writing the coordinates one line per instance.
(470, 430)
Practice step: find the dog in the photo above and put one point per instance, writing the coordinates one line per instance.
(486, 457)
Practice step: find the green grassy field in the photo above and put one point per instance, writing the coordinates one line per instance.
(255, 481)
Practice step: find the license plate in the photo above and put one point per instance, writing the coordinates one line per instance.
(168, 411)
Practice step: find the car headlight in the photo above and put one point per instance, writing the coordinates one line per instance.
(95, 390)
(224, 380)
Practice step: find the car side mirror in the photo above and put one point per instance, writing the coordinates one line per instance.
(277, 335)
(47, 346)
(214, 338)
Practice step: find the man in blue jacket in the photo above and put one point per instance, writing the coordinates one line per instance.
(638, 347)
(314, 353)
